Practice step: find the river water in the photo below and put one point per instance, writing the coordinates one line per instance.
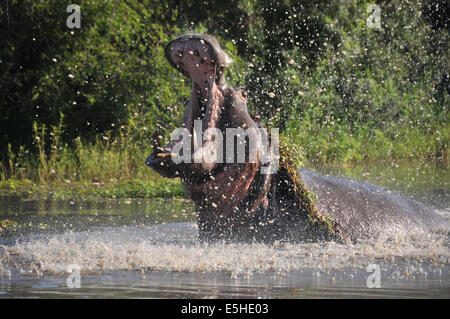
(135, 248)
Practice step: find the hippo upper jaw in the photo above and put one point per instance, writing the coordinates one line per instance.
(201, 46)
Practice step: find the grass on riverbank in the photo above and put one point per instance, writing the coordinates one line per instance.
(123, 189)
(114, 167)
(409, 177)
(108, 167)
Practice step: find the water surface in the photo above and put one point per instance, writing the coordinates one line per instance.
(135, 248)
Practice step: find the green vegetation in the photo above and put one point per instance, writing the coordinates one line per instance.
(373, 98)
(78, 106)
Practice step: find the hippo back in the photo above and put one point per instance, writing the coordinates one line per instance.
(365, 210)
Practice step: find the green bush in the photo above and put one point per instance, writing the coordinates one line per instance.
(81, 104)
(108, 73)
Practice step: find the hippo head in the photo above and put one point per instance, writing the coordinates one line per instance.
(216, 186)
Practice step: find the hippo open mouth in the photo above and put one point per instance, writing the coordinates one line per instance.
(204, 63)
(200, 58)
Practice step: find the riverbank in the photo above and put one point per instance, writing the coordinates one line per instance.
(163, 188)
(409, 177)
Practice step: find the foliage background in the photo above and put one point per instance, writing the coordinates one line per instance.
(81, 104)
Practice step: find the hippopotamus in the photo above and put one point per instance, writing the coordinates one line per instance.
(249, 200)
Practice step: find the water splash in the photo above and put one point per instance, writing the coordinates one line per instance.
(174, 248)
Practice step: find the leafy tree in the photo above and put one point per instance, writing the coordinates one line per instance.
(108, 73)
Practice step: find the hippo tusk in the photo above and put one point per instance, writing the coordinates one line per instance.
(164, 155)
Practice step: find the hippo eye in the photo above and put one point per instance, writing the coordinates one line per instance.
(179, 53)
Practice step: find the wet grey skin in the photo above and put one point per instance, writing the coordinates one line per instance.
(235, 202)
